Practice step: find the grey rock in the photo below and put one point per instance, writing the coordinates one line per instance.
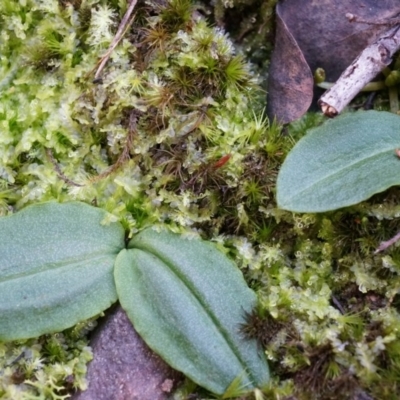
(123, 367)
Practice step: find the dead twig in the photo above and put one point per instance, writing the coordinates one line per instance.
(387, 243)
(123, 27)
(386, 22)
(372, 60)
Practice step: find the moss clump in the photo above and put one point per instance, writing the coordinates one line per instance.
(171, 126)
(329, 310)
(251, 24)
(49, 367)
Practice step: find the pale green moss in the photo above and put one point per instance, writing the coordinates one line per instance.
(45, 368)
(156, 141)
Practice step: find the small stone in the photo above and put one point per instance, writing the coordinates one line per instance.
(123, 367)
(167, 385)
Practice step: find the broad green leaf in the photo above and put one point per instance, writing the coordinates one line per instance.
(342, 162)
(187, 301)
(56, 267)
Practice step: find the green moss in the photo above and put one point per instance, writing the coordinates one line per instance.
(49, 367)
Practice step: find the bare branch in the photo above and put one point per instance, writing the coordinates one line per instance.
(123, 27)
(372, 60)
(387, 22)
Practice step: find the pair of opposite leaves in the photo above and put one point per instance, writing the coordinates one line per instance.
(60, 265)
(316, 34)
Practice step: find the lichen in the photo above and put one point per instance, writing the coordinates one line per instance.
(174, 133)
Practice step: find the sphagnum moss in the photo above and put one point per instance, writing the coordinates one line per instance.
(174, 133)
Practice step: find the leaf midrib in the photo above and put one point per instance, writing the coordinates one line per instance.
(348, 167)
(43, 268)
(142, 246)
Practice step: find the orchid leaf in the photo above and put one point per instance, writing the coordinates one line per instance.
(56, 267)
(187, 301)
(341, 163)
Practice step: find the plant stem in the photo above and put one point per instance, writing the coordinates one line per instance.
(123, 27)
(387, 243)
(369, 87)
